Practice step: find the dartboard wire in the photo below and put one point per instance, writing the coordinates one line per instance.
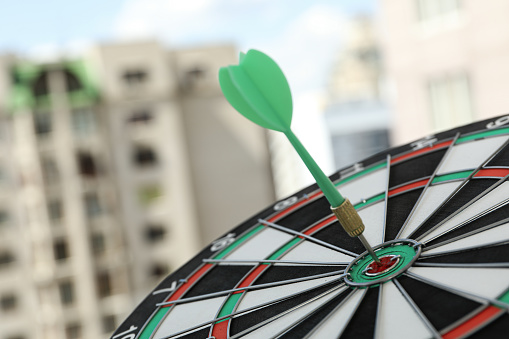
(257, 307)
(252, 288)
(336, 309)
(467, 205)
(384, 224)
(465, 249)
(289, 262)
(465, 235)
(463, 265)
(416, 309)
(472, 296)
(307, 237)
(428, 184)
(455, 191)
(340, 288)
(378, 311)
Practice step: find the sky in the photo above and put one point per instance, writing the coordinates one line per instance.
(303, 36)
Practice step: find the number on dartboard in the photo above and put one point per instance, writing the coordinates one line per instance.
(499, 122)
(221, 243)
(285, 203)
(425, 142)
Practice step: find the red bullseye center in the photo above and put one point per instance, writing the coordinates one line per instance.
(386, 263)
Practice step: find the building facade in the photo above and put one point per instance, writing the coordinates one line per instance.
(115, 169)
(447, 61)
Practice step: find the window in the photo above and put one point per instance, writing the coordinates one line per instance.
(42, 123)
(144, 155)
(83, 121)
(148, 194)
(66, 289)
(159, 270)
(71, 82)
(6, 258)
(8, 302)
(49, 170)
(4, 217)
(450, 101)
(86, 164)
(104, 287)
(92, 205)
(434, 9)
(135, 77)
(98, 243)
(73, 331)
(55, 209)
(109, 323)
(40, 85)
(155, 233)
(140, 117)
(60, 249)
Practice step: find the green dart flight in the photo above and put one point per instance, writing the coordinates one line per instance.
(258, 89)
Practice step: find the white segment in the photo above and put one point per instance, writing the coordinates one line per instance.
(333, 326)
(433, 197)
(308, 251)
(493, 235)
(497, 195)
(470, 155)
(365, 187)
(485, 282)
(260, 246)
(373, 218)
(258, 297)
(394, 307)
(280, 324)
(184, 316)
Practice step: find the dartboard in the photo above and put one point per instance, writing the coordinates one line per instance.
(436, 214)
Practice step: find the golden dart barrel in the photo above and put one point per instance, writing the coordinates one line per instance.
(349, 218)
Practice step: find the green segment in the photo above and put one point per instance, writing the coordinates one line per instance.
(360, 174)
(483, 135)
(370, 201)
(451, 176)
(149, 330)
(239, 241)
(283, 249)
(229, 306)
(406, 252)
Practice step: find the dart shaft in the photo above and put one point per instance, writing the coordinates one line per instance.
(368, 247)
(323, 181)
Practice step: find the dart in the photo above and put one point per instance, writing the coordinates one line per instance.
(258, 89)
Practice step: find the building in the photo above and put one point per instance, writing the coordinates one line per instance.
(447, 61)
(115, 169)
(357, 114)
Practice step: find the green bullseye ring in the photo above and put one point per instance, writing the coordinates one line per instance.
(407, 250)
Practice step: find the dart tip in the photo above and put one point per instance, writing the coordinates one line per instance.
(368, 247)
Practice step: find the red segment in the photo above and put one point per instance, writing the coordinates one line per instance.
(385, 263)
(421, 151)
(320, 225)
(220, 330)
(492, 172)
(420, 183)
(473, 323)
(178, 293)
(252, 276)
(291, 208)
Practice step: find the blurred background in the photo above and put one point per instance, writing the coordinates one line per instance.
(120, 159)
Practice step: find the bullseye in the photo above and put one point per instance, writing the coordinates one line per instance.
(386, 263)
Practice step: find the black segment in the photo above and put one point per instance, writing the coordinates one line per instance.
(501, 159)
(497, 215)
(278, 273)
(241, 323)
(336, 235)
(494, 329)
(306, 215)
(204, 333)
(398, 209)
(362, 324)
(467, 193)
(219, 278)
(313, 320)
(499, 253)
(442, 308)
(415, 168)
